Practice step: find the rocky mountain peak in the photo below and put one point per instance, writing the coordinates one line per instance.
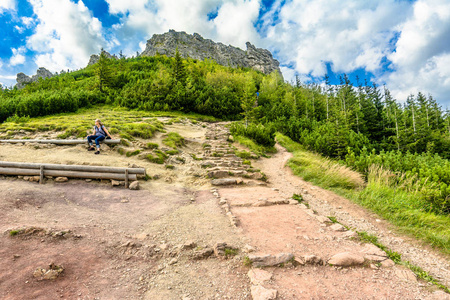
(196, 47)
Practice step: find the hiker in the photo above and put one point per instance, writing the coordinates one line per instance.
(99, 134)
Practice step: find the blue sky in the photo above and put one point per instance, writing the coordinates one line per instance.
(403, 44)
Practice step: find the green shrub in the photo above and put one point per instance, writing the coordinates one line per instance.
(262, 135)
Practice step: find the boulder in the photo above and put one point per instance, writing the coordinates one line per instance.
(134, 185)
(51, 274)
(224, 181)
(202, 254)
(189, 245)
(259, 276)
(406, 275)
(61, 179)
(323, 219)
(224, 250)
(270, 260)
(312, 259)
(218, 174)
(346, 259)
(260, 293)
(337, 227)
(388, 263)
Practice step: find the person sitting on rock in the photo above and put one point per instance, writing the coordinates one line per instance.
(99, 134)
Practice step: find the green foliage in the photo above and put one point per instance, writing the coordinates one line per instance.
(170, 167)
(426, 172)
(14, 232)
(173, 140)
(103, 72)
(244, 154)
(230, 252)
(297, 197)
(262, 135)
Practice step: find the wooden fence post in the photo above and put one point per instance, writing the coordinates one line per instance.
(41, 177)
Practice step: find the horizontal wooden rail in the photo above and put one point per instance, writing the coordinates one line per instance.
(100, 169)
(58, 142)
(64, 173)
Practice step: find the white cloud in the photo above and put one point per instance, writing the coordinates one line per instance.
(66, 35)
(7, 5)
(422, 57)
(349, 34)
(18, 57)
(28, 22)
(234, 23)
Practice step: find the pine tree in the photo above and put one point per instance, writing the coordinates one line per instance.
(179, 71)
(103, 71)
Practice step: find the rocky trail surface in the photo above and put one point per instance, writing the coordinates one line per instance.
(214, 228)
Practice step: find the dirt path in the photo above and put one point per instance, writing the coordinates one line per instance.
(329, 204)
(181, 238)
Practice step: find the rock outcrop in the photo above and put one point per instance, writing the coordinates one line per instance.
(196, 47)
(95, 57)
(23, 80)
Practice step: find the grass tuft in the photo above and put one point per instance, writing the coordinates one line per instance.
(174, 140)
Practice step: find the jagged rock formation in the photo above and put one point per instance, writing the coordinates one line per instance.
(95, 57)
(196, 47)
(23, 80)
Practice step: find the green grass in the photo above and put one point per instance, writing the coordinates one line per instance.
(320, 170)
(158, 157)
(407, 209)
(259, 150)
(173, 140)
(172, 152)
(195, 157)
(152, 146)
(133, 153)
(120, 122)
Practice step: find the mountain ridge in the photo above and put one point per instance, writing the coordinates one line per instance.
(196, 47)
